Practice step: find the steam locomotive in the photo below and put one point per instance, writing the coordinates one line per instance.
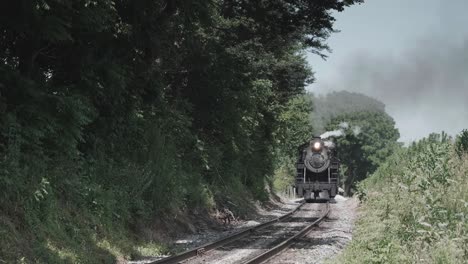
(318, 170)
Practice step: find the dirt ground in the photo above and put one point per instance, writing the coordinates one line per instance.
(253, 245)
(322, 243)
(203, 233)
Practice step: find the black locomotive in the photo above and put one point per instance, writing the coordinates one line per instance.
(317, 170)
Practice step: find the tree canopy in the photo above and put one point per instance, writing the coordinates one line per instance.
(333, 104)
(369, 138)
(155, 104)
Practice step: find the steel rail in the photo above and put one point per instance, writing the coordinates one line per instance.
(285, 244)
(223, 241)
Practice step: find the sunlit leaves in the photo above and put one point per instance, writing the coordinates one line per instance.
(420, 191)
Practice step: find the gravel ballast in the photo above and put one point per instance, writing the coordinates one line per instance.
(327, 240)
(205, 235)
(319, 245)
(253, 245)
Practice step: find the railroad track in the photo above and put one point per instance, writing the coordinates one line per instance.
(283, 232)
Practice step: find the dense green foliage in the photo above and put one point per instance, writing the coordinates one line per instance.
(295, 128)
(367, 134)
(414, 207)
(117, 112)
(369, 138)
(461, 143)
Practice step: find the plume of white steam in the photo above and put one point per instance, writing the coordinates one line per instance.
(334, 133)
(356, 130)
(341, 132)
(344, 125)
(329, 144)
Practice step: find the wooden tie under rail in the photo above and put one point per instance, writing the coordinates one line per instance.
(210, 246)
(285, 244)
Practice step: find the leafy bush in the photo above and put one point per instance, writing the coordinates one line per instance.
(414, 208)
(461, 143)
(294, 129)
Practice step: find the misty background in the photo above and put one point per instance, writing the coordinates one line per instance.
(411, 55)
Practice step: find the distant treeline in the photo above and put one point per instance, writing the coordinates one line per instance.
(367, 135)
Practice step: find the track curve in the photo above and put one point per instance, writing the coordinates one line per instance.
(259, 243)
(198, 251)
(286, 243)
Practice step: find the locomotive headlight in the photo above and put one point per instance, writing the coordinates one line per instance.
(317, 145)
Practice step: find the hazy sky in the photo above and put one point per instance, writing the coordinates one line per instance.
(410, 54)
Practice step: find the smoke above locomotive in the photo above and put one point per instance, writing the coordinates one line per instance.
(341, 131)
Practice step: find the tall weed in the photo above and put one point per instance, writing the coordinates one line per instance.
(414, 208)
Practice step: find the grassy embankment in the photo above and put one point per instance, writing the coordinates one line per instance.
(415, 207)
(104, 210)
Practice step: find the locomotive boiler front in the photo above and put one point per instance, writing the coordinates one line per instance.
(317, 170)
(317, 156)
